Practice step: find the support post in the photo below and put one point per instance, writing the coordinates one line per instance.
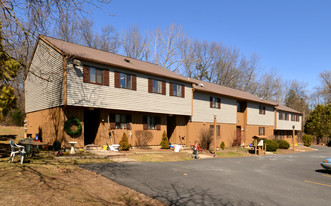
(293, 137)
(215, 133)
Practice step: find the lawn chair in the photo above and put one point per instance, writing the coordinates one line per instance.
(16, 149)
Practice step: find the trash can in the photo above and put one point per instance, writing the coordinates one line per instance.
(177, 148)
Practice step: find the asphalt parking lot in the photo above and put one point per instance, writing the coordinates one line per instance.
(293, 179)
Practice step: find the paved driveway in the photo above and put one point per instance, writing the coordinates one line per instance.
(295, 179)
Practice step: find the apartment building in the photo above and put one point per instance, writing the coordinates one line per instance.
(112, 94)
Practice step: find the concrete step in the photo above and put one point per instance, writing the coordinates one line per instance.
(92, 147)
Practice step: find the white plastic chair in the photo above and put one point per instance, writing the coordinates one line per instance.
(16, 149)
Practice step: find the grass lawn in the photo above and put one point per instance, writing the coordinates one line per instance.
(161, 157)
(11, 132)
(233, 152)
(47, 181)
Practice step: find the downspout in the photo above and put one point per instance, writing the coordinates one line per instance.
(275, 120)
(188, 139)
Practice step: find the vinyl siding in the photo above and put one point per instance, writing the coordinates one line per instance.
(203, 113)
(45, 92)
(254, 118)
(287, 124)
(109, 97)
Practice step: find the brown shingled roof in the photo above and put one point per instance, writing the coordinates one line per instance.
(286, 109)
(227, 91)
(111, 59)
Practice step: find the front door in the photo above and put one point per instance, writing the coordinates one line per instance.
(91, 125)
(238, 136)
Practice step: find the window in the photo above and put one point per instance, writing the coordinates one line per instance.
(261, 131)
(215, 102)
(241, 106)
(95, 75)
(127, 81)
(283, 116)
(156, 86)
(152, 122)
(177, 90)
(218, 129)
(286, 116)
(261, 109)
(295, 117)
(120, 121)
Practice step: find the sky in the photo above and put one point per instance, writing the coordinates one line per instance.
(292, 37)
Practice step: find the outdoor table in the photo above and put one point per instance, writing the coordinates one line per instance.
(72, 151)
(32, 145)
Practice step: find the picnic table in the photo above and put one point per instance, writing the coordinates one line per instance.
(31, 146)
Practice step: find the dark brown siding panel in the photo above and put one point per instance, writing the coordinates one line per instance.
(183, 91)
(211, 102)
(117, 80)
(150, 85)
(105, 75)
(134, 82)
(164, 88)
(86, 74)
(219, 103)
(171, 89)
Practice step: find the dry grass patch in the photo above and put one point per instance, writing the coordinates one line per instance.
(11, 132)
(233, 152)
(47, 181)
(161, 157)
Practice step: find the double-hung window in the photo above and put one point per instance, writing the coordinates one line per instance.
(125, 81)
(120, 121)
(261, 109)
(215, 102)
(151, 122)
(177, 90)
(261, 130)
(156, 86)
(95, 75)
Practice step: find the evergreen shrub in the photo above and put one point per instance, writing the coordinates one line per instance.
(222, 145)
(283, 144)
(164, 142)
(124, 143)
(271, 145)
(307, 139)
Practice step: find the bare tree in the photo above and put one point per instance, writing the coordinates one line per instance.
(166, 47)
(270, 87)
(135, 45)
(325, 89)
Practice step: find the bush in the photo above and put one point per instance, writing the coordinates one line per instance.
(222, 145)
(329, 144)
(164, 142)
(124, 143)
(143, 137)
(206, 138)
(307, 139)
(283, 144)
(15, 117)
(271, 145)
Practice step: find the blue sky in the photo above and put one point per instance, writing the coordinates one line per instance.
(290, 37)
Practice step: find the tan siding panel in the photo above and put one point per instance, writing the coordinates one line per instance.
(45, 92)
(254, 118)
(203, 113)
(91, 95)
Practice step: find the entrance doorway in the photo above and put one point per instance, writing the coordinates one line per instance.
(91, 125)
(171, 125)
(238, 136)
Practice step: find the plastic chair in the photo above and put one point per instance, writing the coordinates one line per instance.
(16, 149)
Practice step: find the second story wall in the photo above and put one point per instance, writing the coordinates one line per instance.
(44, 82)
(255, 117)
(286, 123)
(93, 95)
(202, 111)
